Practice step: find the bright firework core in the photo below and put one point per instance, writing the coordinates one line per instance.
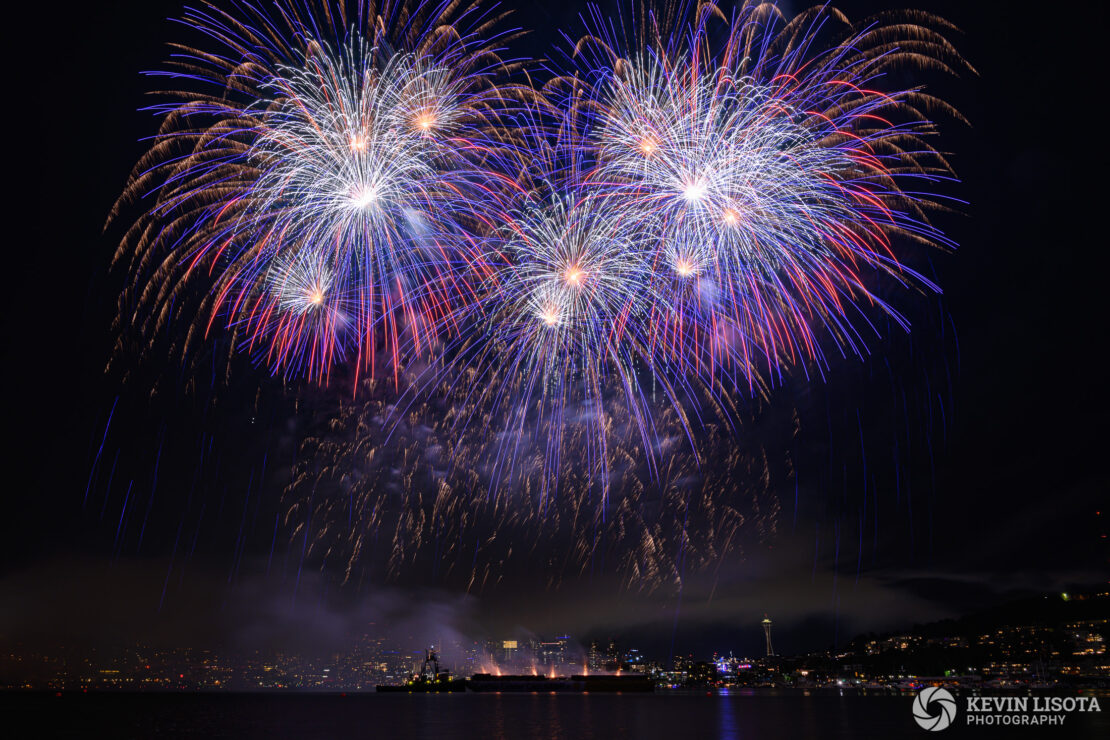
(575, 276)
(694, 189)
(364, 196)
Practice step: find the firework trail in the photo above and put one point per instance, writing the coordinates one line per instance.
(426, 498)
(560, 332)
(309, 186)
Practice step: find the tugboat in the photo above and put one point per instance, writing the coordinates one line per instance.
(430, 680)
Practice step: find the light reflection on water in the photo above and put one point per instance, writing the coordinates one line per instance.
(733, 714)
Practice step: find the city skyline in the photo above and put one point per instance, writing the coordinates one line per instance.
(1055, 640)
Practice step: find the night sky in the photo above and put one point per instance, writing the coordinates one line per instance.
(981, 434)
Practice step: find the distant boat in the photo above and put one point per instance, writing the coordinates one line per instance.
(430, 679)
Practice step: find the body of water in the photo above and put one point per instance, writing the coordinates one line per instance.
(677, 716)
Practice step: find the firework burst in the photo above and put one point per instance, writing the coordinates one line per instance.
(336, 142)
(565, 319)
(774, 176)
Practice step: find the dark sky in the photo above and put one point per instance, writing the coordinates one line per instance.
(1002, 383)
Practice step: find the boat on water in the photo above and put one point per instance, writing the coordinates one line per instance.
(430, 679)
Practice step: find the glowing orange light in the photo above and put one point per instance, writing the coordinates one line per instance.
(550, 317)
(316, 297)
(730, 217)
(648, 145)
(685, 268)
(425, 121)
(358, 143)
(574, 276)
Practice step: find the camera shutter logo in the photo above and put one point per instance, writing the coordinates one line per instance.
(934, 708)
